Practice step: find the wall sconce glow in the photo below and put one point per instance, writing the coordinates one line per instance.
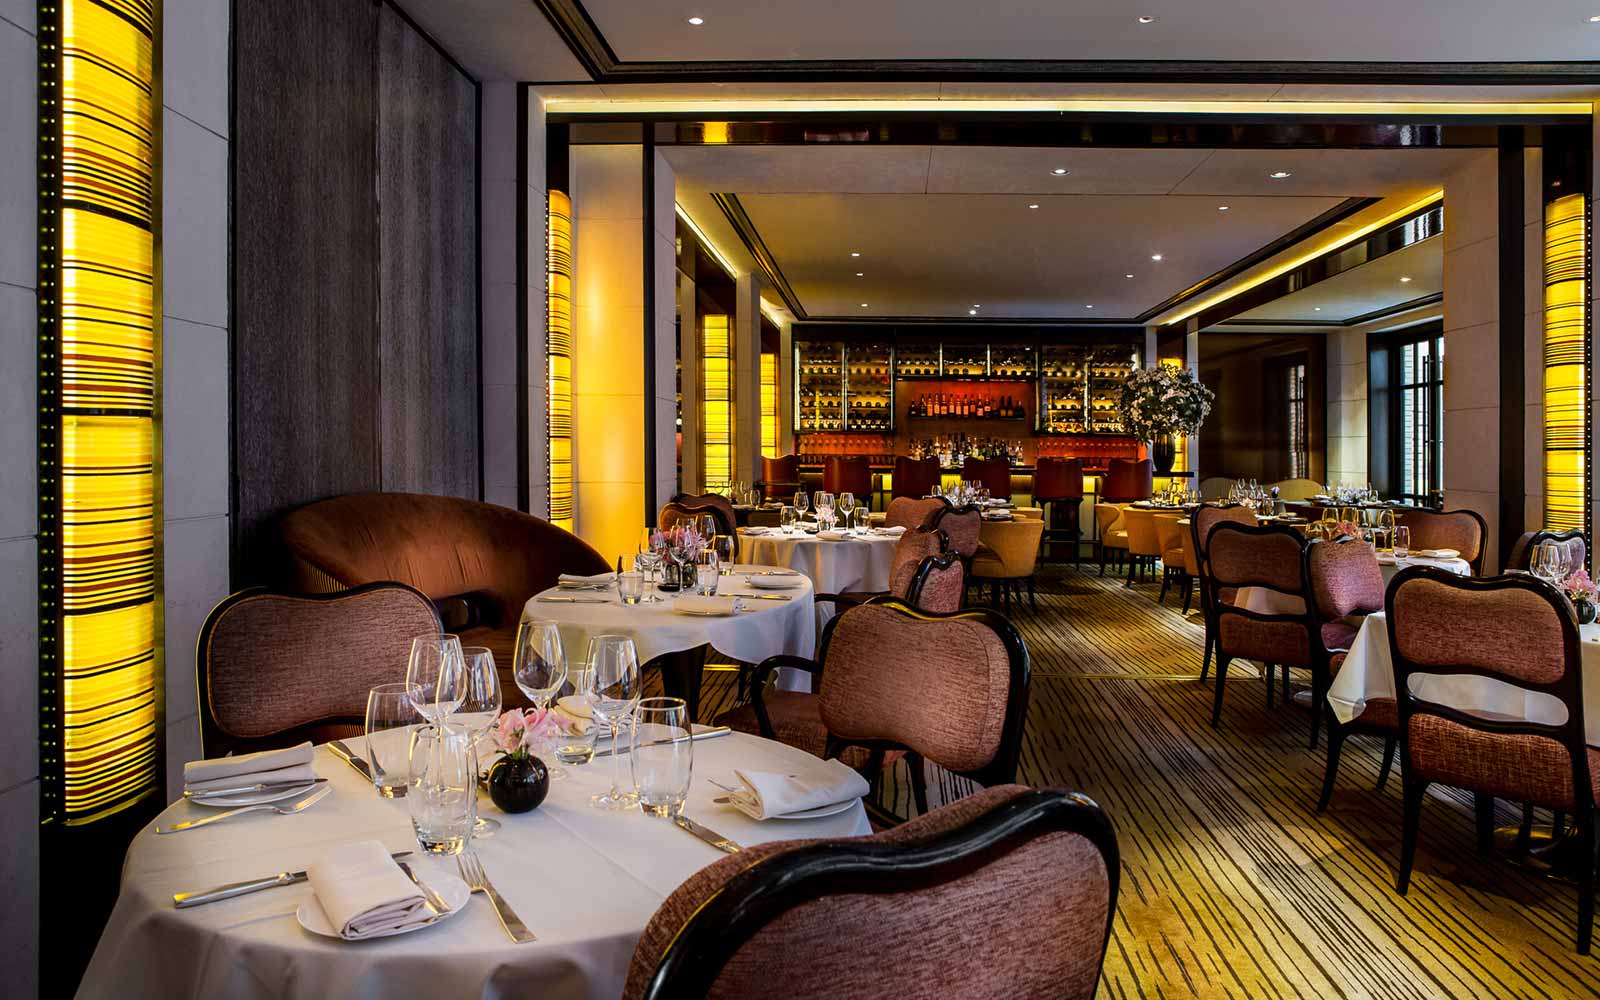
(1566, 365)
(769, 405)
(716, 398)
(558, 355)
(100, 659)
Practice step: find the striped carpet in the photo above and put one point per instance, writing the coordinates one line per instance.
(1232, 885)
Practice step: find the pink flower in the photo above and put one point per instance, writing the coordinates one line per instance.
(509, 730)
(542, 724)
(1580, 588)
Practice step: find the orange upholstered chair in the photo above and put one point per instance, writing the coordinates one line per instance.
(848, 474)
(780, 477)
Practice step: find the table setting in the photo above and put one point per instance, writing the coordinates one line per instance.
(388, 883)
(841, 552)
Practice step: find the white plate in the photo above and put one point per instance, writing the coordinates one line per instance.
(451, 889)
(818, 813)
(250, 798)
(584, 586)
(704, 614)
(1437, 553)
(774, 582)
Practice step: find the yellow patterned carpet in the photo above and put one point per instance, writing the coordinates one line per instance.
(1232, 884)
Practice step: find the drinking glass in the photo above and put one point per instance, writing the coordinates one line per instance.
(847, 505)
(787, 518)
(539, 666)
(706, 526)
(444, 788)
(630, 587)
(706, 567)
(577, 746)
(801, 501)
(1402, 541)
(662, 756)
(390, 707)
(434, 675)
(480, 707)
(726, 548)
(613, 694)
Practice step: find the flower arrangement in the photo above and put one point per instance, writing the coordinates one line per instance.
(1163, 400)
(681, 541)
(1348, 529)
(518, 732)
(1579, 587)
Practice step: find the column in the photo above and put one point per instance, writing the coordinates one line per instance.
(1191, 360)
(1347, 406)
(497, 277)
(535, 335)
(785, 388)
(747, 378)
(689, 385)
(666, 335)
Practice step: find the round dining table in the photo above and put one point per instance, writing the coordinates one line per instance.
(858, 562)
(585, 882)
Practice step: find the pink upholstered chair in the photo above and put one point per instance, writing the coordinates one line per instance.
(1518, 631)
(964, 525)
(891, 680)
(904, 512)
(1003, 870)
(1462, 530)
(1573, 539)
(1346, 585)
(1271, 559)
(1201, 522)
(924, 573)
(255, 689)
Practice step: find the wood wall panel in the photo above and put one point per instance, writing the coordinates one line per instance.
(427, 266)
(305, 360)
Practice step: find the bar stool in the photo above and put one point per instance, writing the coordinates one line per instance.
(914, 478)
(780, 477)
(1128, 480)
(852, 474)
(993, 473)
(1058, 483)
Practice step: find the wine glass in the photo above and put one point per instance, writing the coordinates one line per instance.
(613, 690)
(648, 559)
(847, 503)
(480, 707)
(539, 666)
(1402, 541)
(706, 526)
(434, 675)
(801, 502)
(726, 548)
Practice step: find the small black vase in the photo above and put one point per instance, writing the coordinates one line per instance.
(1586, 612)
(518, 784)
(1163, 453)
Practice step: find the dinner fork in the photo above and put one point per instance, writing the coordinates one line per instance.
(287, 810)
(472, 873)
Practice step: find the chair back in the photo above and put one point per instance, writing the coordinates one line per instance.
(848, 917)
(963, 524)
(1016, 545)
(925, 573)
(1272, 558)
(1169, 539)
(1142, 538)
(727, 521)
(1572, 540)
(1057, 479)
(274, 669)
(1462, 530)
(1216, 487)
(780, 477)
(848, 474)
(1295, 489)
(951, 687)
(914, 478)
(994, 474)
(1516, 630)
(674, 514)
(1345, 578)
(1205, 518)
(1106, 518)
(1127, 480)
(904, 512)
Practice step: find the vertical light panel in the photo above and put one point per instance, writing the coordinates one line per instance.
(716, 399)
(558, 269)
(99, 364)
(769, 405)
(1566, 364)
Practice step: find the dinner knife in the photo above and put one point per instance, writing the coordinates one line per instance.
(765, 597)
(184, 900)
(435, 901)
(572, 600)
(355, 760)
(704, 734)
(265, 786)
(706, 834)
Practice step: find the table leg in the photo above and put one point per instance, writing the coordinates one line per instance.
(680, 676)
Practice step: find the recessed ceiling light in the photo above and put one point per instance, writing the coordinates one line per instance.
(1129, 275)
(1222, 208)
(863, 305)
(1060, 171)
(1146, 19)
(860, 274)
(1405, 280)
(1279, 175)
(1034, 205)
(1595, 19)
(1316, 308)
(977, 305)
(855, 253)
(972, 312)
(1155, 256)
(1091, 306)
(697, 21)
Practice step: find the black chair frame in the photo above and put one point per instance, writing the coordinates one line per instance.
(1207, 610)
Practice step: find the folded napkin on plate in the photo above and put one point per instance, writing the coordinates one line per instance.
(575, 711)
(898, 529)
(697, 604)
(293, 764)
(598, 580)
(364, 893)
(1439, 553)
(759, 530)
(832, 536)
(768, 795)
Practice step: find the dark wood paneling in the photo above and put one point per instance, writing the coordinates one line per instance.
(427, 266)
(305, 361)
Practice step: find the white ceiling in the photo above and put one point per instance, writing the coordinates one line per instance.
(1372, 286)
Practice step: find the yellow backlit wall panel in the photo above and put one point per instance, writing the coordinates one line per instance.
(559, 354)
(716, 399)
(100, 654)
(769, 405)
(1566, 365)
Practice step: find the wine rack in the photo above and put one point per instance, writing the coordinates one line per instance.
(966, 360)
(916, 361)
(1011, 361)
(1079, 387)
(819, 389)
(869, 388)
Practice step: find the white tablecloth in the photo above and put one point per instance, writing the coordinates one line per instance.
(1368, 672)
(768, 629)
(859, 563)
(583, 880)
(1270, 602)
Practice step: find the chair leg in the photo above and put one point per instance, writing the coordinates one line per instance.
(1317, 702)
(994, 594)
(919, 782)
(1586, 882)
(1284, 669)
(1222, 676)
(1133, 567)
(1205, 661)
(1558, 824)
(1033, 598)
(1102, 559)
(1166, 579)
(1188, 591)
(1336, 736)
(1524, 830)
(1269, 669)
(1389, 746)
(1411, 818)
(1483, 814)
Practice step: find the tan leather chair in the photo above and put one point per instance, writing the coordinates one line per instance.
(1113, 532)
(1009, 559)
(1296, 489)
(1216, 487)
(1144, 547)
(1169, 539)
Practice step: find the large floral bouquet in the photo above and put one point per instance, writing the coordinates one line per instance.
(1163, 400)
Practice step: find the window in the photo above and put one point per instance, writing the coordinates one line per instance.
(1299, 432)
(1406, 379)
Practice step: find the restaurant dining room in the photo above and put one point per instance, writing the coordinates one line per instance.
(593, 498)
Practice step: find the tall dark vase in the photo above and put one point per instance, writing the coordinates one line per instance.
(1163, 452)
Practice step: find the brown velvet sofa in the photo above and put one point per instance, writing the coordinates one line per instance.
(477, 562)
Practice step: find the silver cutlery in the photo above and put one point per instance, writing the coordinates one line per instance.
(704, 734)
(355, 760)
(435, 901)
(184, 900)
(764, 597)
(706, 834)
(264, 786)
(472, 873)
(293, 807)
(572, 600)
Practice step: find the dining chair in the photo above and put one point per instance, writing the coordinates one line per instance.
(1271, 558)
(780, 477)
(994, 474)
(273, 669)
(1345, 584)
(964, 525)
(1169, 539)
(924, 573)
(1009, 560)
(1058, 487)
(1462, 530)
(1113, 532)
(849, 474)
(1573, 539)
(688, 504)
(1216, 487)
(891, 681)
(914, 478)
(854, 917)
(1295, 489)
(1201, 522)
(1144, 546)
(1508, 630)
(911, 513)
(1128, 480)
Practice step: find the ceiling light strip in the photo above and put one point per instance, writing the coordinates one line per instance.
(705, 241)
(556, 104)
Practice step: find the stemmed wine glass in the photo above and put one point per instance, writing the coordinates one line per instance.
(434, 676)
(847, 503)
(801, 502)
(539, 666)
(612, 688)
(480, 707)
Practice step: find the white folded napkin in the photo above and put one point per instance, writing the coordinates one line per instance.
(293, 764)
(769, 795)
(759, 530)
(832, 536)
(698, 604)
(1439, 553)
(364, 892)
(576, 711)
(571, 580)
(898, 529)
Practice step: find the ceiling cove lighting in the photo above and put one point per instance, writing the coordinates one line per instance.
(558, 355)
(1566, 365)
(99, 375)
(1406, 111)
(705, 241)
(1313, 253)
